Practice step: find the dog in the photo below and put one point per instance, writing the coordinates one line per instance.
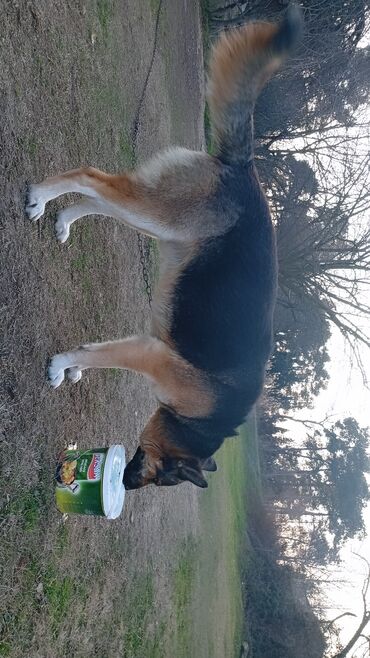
(212, 312)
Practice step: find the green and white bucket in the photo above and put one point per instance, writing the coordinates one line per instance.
(90, 482)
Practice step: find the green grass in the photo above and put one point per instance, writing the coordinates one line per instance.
(141, 604)
(136, 615)
(207, 580)
(183, 581)
(211, 146)
(104, 12)
(80, 263)
(205, 615)
(60, 591)
(26, 508)
(154, 5)
(5, 649)
(126, 149)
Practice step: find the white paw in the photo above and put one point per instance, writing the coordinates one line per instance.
(58, 364)
(74, 375)
(35, 204)
(61, 229)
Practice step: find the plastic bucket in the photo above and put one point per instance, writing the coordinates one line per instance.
(90, 481)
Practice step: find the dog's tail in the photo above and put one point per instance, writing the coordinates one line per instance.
(241, 63)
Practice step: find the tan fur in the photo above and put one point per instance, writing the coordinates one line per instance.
(154, 441)
(173, 258)
(164, 199)
(240, 58)
(156, 446)
(176, 382)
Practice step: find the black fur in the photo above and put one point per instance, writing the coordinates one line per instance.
(222, 311)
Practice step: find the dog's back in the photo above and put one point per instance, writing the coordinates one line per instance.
(222, 303)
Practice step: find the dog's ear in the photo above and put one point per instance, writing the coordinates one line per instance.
(209, 464)
(192, 473)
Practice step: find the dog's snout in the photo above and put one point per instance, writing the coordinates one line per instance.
(131, 480)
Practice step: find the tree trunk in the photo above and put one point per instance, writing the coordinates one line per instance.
(354, 638)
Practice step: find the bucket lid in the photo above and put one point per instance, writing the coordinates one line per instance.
(113, 488)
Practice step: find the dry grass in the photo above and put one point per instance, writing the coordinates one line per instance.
(71, 78)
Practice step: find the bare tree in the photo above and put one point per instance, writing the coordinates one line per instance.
(364, 643)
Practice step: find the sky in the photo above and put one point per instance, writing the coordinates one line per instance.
(345, 396)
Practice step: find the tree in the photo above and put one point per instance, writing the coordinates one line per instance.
(321, 488)
(324, 263)
(364, 643)
(298, 365)
(338, 478)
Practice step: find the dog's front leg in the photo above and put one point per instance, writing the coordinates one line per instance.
(140, 353)
(176, 382)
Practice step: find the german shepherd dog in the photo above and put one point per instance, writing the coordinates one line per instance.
(213, 307)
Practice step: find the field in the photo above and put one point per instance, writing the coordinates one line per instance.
(164, 580)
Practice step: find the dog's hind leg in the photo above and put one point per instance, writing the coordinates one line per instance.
(166, 198)
(70, 214)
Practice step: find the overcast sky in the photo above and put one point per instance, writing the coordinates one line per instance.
(345, 396)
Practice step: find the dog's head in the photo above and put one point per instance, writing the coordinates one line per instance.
(159, 461)
(165, 471)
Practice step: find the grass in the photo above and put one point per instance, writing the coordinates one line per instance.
(208, 592)
(154, 4)
(60, 591)
(183, 581)
(137, 619)
(26, 508)
(104, 11)
(126, 149)
(141, 604)
(211, 146)
(205, 612)
(206, 31)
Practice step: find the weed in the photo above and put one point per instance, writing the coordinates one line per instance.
(32, 147)
(154, 6)
(183, 586)
(28, 145)
(5, 649)
(114, 373)
(62, 537)
(126, 149)
(27, 507)
(80, 263)
(60, 592)
(142, 600)
(104, 10)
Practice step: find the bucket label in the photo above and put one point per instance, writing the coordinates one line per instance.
(94, 470)
(79, 480)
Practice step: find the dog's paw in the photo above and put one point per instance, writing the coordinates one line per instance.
(74, 375)
(35, 204)
(61, 228)
(58, 364)
(61, 365)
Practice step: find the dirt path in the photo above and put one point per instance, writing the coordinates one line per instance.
(71, 77)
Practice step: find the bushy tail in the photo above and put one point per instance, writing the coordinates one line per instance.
(241, 63)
